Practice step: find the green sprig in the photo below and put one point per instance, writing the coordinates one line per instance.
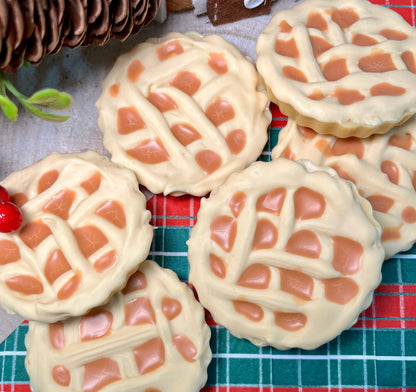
(48, 98)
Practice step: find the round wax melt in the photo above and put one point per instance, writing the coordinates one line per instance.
(85, 230)
(285, 254)
(183, 112)
(150, 337)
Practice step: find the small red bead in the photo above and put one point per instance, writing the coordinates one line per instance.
(10, 217)
(4, 195)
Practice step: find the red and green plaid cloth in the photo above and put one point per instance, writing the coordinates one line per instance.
(377, 354)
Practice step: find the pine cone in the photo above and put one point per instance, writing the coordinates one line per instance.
(31, 29)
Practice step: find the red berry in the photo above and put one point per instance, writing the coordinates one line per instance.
(10, 217)
(4, 195)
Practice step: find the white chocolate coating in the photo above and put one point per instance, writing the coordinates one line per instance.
(285, 254)
(383, 167)
(151, 337)
(346, 68)
(85, 230)
(183, 112)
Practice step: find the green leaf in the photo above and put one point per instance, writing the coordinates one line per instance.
(51, 99)
(44, 115)
(8, 108)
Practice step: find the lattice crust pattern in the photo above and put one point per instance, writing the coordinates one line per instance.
(150, 337)
(285, 254)
(183, 112)
(85, 230)
(346, 68)
(383, 167)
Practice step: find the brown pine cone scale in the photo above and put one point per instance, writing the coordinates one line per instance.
(32, 29)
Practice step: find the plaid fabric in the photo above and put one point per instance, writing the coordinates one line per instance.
(377, 354)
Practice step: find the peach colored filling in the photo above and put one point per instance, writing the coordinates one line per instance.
(185, 347)
(113, 212)
(56, 265)
(343, 174)
(363, 40)
(289, 154)
(61, 375)
(409, 60)
(401, 140)
(95, 324)
(347, 255)
(296, 283)
(25, 284)
(152, 390)
(316, 95)
(90, 239)
(33, 233)
(92, 183)
(308, 204)
(171, 307)
(56, 335)
(106, 261)
(218, 63)
(139, 311)
(162, 101)
(316, 21)
(286, 48)
(265, 236)
(409, 214)
(9, 252)
(168, 50)
(187, 82)
(185, 133)
(340, 290)
(377, 62)
(391, 170)
(223, 231)
(150, 151)
(294, 74)
(217, 266)
(236, 141)
(47, 180)
(380, 203)
(114, 90)
(391, 233)
(150, 355)
(285, 27)
(344, 18)
(134, 71)
(335, 69)
(392, 34)
(304, 243)
(319, 45)
(323, 146)
(255, 276)
(19, 199)
(307, 133)
(209, 161)
(350, 145)
(387, 89)
(252, 311)
(129, 120)
(347, 96)
(290, 321)
(136, 282)
(272, 201)
(70, 287)
(220, 111)
(237, 203)
(60, 204)
(100, 373)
